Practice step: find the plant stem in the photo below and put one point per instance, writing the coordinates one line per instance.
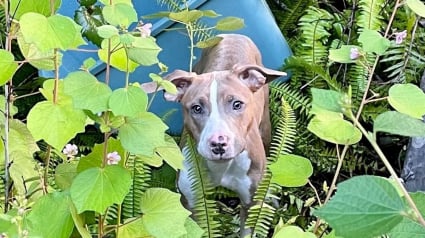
(108, 64)
(7, 94)
(46, 169)
(192, 46)
(390, 169)
(359, 111)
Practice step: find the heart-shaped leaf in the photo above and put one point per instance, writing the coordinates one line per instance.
(49, 33)
(55, 123)
(291, 170)
(87, 92)
(128, 101)
(96, 188)
(161, 206)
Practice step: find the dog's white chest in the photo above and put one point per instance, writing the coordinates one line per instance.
(233, 174)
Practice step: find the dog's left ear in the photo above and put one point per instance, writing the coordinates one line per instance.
(255, 76)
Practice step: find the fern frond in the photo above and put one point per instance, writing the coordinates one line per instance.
(205, 209)
(288, 13)
(294, 97)
(261, 214)
(403, 63)
(173, 5)
(295, 63)
(202, 31)
(357, 76)
(284, 132)
(314, 27)
(141, 175)
(370, 14)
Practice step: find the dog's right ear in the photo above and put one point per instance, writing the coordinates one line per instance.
(182, 80)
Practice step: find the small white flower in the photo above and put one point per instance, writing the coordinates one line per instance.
(354, 53)
(113, 158)
(400, 36)
(145, 29)
(70, 150)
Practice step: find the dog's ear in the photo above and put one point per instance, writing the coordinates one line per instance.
(182, 80)
(255, 76)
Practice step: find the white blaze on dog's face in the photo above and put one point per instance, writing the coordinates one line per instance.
(218, 108)
(219, 117)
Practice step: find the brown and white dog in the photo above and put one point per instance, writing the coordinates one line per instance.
(225, 106)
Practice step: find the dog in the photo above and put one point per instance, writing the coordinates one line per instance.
(225, 109)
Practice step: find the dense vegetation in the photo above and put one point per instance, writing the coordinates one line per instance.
(80, 159)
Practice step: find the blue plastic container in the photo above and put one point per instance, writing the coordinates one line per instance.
(260, 26)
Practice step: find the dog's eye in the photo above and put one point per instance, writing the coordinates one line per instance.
(197, 109)
(237, 105)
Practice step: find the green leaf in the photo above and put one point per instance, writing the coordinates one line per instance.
(210, 13)
(133, 228)
(49, 33)
(230, 24)
(97, 188)
(55, 123)
(193, 230)
(79, 221)
(37, 58)
(374, 42)
(419, 199)
(369, 202)
(8, 66)
(47, 92)
(22, 146)
(55, 224)
(95, 158)
(142, 134)
(291, 170)
(128, 101)
(65, 174)
(407, 228)
(87, 92)
(119, 58)
(19, 7)
(293, 231)
(120, 14)
(328, 100)
(163, 214)
(399, 124)
(89, 63)
(185, 16)
(107, 31)
(144, 51)
(170, 152)
(210, 42)
(342, 55)
(334, 129)
(168, 86)
(127, 39)
(417, 6)
(407, 99)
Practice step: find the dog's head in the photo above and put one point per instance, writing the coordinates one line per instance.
(221, 107)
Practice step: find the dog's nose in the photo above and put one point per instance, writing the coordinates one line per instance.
(218, 144)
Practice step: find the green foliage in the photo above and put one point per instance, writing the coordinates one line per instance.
(385, 208)
(111, 186)
(205, 210)
(160, 206)
(291, 171)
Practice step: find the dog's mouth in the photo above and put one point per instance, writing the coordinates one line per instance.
(222, 157)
